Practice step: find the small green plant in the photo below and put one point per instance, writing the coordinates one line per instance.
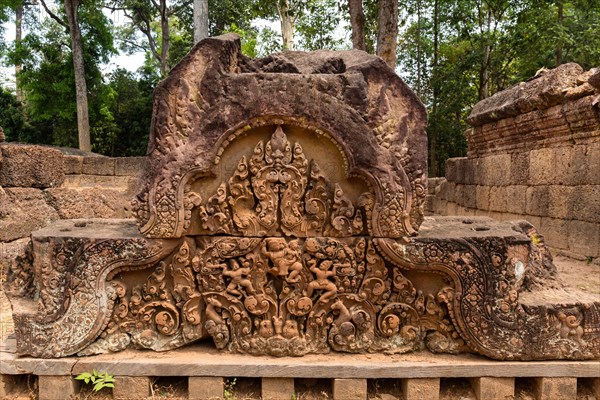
(589, 260)
(228, 389)
(97, 379)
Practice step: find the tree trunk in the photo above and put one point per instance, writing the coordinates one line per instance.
(484, 71)
(83, 123)
(433, 164)
(387, 31)
(357, 22)
(419, 90)
(165, 37)
(200, 20)
(559, 49)
(287, 24)
(18, 38)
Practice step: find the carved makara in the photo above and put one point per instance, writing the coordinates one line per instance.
(277, 191)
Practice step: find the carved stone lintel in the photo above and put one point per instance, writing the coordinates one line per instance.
(70, 302)
(292, 296)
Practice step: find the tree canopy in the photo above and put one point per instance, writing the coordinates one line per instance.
(452, 53)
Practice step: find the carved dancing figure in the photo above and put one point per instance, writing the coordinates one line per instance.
(285, 258)
(237, 273)
(322, 283)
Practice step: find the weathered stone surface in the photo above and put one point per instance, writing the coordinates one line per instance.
(277, 388)
(99, 165)
(56, 387)
(24, 211)
(583, 203)
(559, 201)
(423, 388)
(540, 172)
(594, 78)
(203, 360)
(498, 198)
(584, 238)
(555, 388)
(90, 203)
(519, 168)
(470, 196)
(52, 286)
(556, 232)
(73, 164)
(495, 168)
(205, 388)
(348, 105)
(270, 334)
(433, 184)
(537, 202)
(129, 166)
(452, 168)
(543, 91)
(30, 166)
(516, 199)
(593, 165)
(487, 388)
(10, 252)
(349, 389)
(482, 197)
(131, 387)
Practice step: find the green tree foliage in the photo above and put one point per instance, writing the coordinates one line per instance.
(455, 53)
(452, 53)
(48, 80)
(11, 116)
(317, 25)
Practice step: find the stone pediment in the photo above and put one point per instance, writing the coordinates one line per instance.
(348, 104)
(280, 213)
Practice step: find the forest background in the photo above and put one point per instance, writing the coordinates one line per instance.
(451, 53)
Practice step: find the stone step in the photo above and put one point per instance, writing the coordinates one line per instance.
(204, 373)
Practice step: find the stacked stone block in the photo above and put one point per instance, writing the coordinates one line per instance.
(41, 184)
(534, 154)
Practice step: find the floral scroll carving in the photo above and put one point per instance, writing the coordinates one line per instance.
(278, 296)
(278, 191)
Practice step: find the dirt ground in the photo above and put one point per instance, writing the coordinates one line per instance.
(583, 276)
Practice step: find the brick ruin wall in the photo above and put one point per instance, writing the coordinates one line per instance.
(39, 185)
(534, 154)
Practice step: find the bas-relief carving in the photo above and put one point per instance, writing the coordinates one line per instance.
(278, 191)
(281, 256)
(279, 296)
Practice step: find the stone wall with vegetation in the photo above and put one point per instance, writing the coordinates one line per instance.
(534, 154)
(40, 184)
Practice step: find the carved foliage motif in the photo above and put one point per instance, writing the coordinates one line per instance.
(484, 306)
(74, 302)
(278, 191)
(278, 296)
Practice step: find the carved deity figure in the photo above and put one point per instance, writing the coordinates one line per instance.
(285, 257)
(238, 279)
(322, 282)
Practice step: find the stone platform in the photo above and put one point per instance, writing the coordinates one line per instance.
(202, 363)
